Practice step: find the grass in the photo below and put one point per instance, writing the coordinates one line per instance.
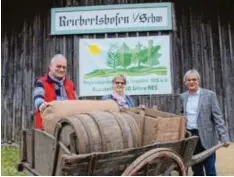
(134, 71)
(9, 158)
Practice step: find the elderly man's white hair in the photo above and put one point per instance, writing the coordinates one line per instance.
(192, 71)
(57, 56)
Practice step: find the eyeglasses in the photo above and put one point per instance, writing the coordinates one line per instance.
(117, 83)
(192, 79)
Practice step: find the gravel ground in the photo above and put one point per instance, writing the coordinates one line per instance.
(224, 161)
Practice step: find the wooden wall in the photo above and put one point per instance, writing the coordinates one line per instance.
(203, 38)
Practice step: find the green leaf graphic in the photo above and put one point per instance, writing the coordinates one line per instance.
(113, 59)
(153, 55)
(125, 55)
(137, 56)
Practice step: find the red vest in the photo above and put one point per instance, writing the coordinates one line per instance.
(50, 95)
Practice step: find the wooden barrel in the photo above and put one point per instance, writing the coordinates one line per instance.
(101, 132)
(57, 110)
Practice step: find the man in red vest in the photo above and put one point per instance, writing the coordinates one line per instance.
(54, 85)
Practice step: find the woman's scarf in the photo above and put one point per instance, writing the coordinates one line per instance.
(120, 99)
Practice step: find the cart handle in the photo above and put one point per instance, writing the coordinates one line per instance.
(203, 155)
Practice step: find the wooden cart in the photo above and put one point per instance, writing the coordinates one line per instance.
(45, 154)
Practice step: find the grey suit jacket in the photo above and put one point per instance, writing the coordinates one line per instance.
(211, 126)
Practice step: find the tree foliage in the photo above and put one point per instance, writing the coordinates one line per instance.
(124, 56)
(113, 57)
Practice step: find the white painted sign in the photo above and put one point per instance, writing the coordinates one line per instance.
(145, 61)
(112, 18)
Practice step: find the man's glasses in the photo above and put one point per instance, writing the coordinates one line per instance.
(117, 83)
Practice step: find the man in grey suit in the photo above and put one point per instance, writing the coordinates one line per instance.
(203, 119)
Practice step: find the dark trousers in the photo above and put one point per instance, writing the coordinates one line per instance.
(208, 163)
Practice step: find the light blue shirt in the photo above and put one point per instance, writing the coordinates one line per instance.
(191, 110)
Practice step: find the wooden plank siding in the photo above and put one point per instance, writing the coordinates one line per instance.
(202, 38)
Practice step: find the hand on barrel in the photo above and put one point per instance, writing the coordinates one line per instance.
(141, 106)
(226, 144)
(43, 106)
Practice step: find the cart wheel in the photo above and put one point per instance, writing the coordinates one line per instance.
(160, 161)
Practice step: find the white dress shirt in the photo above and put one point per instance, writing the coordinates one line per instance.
(191, 110)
